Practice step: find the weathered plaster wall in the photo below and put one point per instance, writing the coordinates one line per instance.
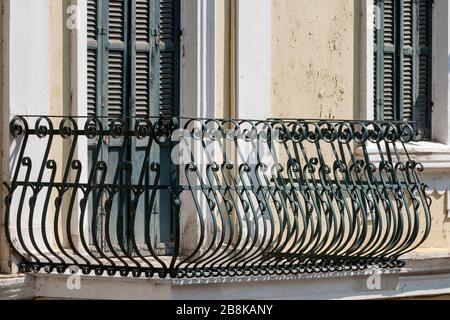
(439, 238)
(36, 75)
(4, 250)
(314, 69)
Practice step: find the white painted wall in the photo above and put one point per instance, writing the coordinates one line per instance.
(441, 72)
(27, 87)
(254, 59)
(27, 90)
(28, 51)
(28, 44)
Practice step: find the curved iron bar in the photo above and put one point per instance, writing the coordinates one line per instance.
(249, 197)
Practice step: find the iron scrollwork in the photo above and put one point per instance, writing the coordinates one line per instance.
(272, 197)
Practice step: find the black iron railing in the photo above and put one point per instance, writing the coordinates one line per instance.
(206, 197)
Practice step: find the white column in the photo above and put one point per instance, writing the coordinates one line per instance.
(25, 80)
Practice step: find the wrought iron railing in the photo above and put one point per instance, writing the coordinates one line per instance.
(205, 197)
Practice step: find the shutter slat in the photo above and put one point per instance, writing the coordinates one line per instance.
(92, 19)
(408, 88)
(142, 84)
(389, 104)
(116, 20)
(92, 82)
(389, 36)
(142, 21)
(408, 23)
(115, 84)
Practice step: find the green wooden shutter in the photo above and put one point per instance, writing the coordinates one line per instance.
(133, 63)
(165, 90)
(107, 27)
(141, 51)
(154, 77)
(402, 62)
(386, 108)
(141, 106)
(168, 51)
(108, 42)
(155, 57)
(423, 70)
(117, 43)
(406, 59)
(93, 56)
(133, 57)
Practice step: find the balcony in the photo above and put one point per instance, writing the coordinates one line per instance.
(189, 198)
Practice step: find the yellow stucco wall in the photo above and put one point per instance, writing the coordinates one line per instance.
(313, 48)
(439, 238)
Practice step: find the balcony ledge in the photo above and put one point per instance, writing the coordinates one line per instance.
(425, 274)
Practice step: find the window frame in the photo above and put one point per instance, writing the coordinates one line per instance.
(401, 50)
(434, 154)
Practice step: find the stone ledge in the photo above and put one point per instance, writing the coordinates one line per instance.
(425, 274)
(16, 287)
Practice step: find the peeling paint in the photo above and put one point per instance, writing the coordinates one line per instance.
(313, 60)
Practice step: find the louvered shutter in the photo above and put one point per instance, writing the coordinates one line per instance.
(168, 51)
(154, 77)
(94, 55)
(133, 57)
(385, 62)
(141, 57)
(107, 28)
(108, 43)
(423, 100)
(141, 107)
(403, 65)
(407, 56)
(117, 55)
(165, 94)
(133, 63)
(155, 57)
